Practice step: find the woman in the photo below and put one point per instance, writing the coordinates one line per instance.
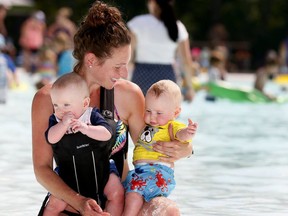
(102, 49)
(156, 38)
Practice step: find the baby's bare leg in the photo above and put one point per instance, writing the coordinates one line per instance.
(114, 192)
(133, 204)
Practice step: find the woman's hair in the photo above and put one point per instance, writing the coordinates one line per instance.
(101, 31)
(168, 17)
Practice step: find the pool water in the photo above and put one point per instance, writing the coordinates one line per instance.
(240, 161)
(240, 166)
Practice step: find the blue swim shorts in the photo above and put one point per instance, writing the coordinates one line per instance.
(150, 180)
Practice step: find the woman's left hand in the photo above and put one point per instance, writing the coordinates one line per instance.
(174, 149)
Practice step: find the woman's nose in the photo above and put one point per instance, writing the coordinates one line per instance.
(124, 72)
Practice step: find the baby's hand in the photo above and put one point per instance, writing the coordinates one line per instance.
(78, 125)
(192, 127)
(67, 118)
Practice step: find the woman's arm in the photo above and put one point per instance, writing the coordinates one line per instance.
(129, 101)
(43, 156)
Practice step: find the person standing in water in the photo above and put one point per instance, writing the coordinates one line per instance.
(156, 39)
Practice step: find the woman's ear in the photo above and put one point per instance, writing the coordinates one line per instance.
(89, 59)
(86, 102)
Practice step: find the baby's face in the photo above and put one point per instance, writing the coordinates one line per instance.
(159, 110)
(66, 100)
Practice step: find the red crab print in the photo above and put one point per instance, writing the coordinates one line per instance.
(161, 182)
(137, 183)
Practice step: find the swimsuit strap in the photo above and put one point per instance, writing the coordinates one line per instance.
(116, 112)
(107, 103)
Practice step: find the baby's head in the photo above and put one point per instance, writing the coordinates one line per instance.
(162, 102)
(70, 93)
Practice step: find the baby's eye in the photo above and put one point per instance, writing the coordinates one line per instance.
(66, 105)
(148, 111)
(159, 113)
(55, 105)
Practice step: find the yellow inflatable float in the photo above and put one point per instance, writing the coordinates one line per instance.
(18, 87)
(281, 79)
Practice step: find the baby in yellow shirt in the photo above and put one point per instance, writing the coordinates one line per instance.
(152, 178)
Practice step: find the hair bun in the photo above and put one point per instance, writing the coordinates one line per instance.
(100, 14)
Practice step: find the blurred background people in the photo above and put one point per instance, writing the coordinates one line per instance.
(8, 48)
(267, 72)
(3, 13)
(283, 55)
(3, 73)
(63, 47)
(10, 67)
(32, 39)
(46, 66)
(155, 39)
(62, 23)
(216, 70)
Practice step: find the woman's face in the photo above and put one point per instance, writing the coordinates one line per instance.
(114, 68)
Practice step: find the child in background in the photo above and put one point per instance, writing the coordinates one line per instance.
(7, 65)
(46, 67)
(267, 72)
(64, 48)
(31, 39)
(216, 69)
(70, 98)
(152, 178)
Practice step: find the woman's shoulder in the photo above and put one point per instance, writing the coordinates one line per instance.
(42, 107)
(129, 102)
(43, 95)
(128, 96)
(126, 87)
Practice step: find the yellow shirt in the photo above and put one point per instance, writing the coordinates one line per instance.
(150, 135)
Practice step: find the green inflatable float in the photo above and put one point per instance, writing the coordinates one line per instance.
(238, 94)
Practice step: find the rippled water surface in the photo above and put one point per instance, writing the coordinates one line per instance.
(240, 165)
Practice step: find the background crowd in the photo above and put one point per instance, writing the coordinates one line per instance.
(242, 50)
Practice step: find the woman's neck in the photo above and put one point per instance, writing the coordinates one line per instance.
(95, 97)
